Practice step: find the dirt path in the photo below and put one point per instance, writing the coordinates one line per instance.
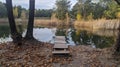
(39, 55)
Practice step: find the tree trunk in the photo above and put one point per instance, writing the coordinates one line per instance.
(117, 47)
(17, 38)
(29, 34)
(118, 1)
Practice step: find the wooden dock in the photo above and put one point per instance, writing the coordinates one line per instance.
(60, 46)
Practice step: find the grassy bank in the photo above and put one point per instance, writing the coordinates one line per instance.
(98, 24)
(44, 22)
(37, 22)
(50, 22)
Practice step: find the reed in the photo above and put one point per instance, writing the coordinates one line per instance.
(98, 24)
(44, 22)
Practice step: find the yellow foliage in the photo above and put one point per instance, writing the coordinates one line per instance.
(67, 18)
(79, 17)
(118, 15)
(15, 12)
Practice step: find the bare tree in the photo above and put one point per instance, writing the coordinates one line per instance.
(17, 38)
(29, 34)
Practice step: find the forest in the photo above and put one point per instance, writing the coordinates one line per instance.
(87, 9)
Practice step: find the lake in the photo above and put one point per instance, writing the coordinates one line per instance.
(74, 36)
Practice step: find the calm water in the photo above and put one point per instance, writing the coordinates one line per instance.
(94, 38)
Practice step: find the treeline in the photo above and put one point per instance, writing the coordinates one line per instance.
(20, 12)
(43, 12)
(17, 10)
(83, 9)
(3, 11)
(86, 9)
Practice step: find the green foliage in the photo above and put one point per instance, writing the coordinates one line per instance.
(4, 30)
(20, 9)
(23, 14)
(62, 8)
(103, 8)
(60, 32)
(3, 11)
(110, 12)
(108, 9)
(84, 7)
(16, 9)
(85, 38)
(43, 13)
(90, 17)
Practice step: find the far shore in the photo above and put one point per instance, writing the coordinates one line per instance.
(91, 24)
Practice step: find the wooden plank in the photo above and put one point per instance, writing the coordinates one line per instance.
(60, 52)
(60, 38)
(60, 46)
(56, 39)
(60, 42)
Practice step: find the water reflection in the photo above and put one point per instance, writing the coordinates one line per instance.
(95, 38)
(4, 31)
(107, 33)
(82, 37)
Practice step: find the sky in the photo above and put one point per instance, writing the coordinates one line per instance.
(39, 4)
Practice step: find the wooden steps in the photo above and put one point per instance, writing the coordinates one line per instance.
(60, 46)
(60, 42)
(60, 52)
(64, 46)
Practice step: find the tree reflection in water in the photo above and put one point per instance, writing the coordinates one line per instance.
(82, 37)
(96, 38)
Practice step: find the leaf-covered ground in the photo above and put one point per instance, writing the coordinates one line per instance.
(37, 54)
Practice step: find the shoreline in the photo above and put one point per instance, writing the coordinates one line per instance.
(39, 54)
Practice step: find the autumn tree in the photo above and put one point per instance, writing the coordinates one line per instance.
(79, 17)
(118, 15)
(29, 34)
(83, 7)
(23, 14)
(17, 38)
(111, 9)
(90, 17)
(62, 8)
(15, 12)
